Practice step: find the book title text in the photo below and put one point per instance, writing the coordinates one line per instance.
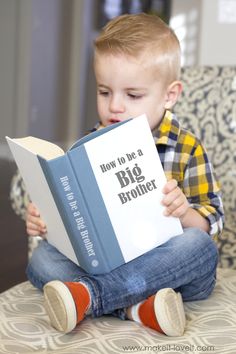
(130, 176)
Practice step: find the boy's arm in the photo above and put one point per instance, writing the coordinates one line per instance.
(202, 191)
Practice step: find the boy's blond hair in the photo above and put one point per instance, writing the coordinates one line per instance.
(145, 36)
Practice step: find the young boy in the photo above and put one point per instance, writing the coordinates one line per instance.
(137, 65)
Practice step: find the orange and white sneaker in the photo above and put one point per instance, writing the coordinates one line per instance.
(66, 304)
(163, 312)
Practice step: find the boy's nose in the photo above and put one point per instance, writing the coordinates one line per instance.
(117, 105)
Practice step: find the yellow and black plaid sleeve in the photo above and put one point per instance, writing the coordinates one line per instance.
(185, 159)
(199, 183)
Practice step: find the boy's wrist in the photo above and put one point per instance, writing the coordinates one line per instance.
(184, 219)
(193, 219)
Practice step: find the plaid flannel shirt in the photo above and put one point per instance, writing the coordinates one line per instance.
(184, 158)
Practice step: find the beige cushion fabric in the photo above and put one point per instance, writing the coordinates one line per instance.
(211, 324)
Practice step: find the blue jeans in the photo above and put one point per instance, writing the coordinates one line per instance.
(186, 263)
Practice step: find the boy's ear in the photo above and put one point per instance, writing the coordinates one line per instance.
(172, 94)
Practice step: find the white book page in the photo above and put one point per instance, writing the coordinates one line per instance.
(130, 177)
(40, 194)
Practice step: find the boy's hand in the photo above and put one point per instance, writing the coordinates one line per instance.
(35, 226)
(174, 200)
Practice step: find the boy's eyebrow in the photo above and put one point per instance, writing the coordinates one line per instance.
(127, 89)
(136, 88)
(101, 85)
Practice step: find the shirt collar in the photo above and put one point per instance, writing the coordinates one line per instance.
(168, 131)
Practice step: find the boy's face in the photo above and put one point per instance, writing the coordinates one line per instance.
(126, 89)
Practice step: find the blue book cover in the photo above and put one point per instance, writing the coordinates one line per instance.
(76, 217)
(102, 202)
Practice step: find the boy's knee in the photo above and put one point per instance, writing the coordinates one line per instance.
(40, 257)
(205, 258)
(202, 241)
(36, 265)
(210, 246)
(42, 266)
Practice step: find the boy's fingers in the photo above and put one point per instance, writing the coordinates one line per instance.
(177, 208)
(34, 226)
(31, 226)
(172, 209)
(169, 186)
(34, 230)
(36, 220)
(171, 197)
(33, 210)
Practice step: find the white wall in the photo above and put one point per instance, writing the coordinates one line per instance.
(217, 38)
(43, 65)
(14, 69)
(205, 39)
(8, 11)
(10, 63)
(185, 20)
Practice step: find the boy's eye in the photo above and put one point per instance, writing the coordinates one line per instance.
(103, 93)
(134, 97)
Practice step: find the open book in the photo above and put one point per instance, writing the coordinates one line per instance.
(101, 199)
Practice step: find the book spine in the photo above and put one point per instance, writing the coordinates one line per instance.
(96, 206)
(73, 211)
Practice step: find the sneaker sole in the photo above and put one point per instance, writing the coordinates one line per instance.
(60, 306)
(169, 310)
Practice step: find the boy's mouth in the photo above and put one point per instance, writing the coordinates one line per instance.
(114, 120)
